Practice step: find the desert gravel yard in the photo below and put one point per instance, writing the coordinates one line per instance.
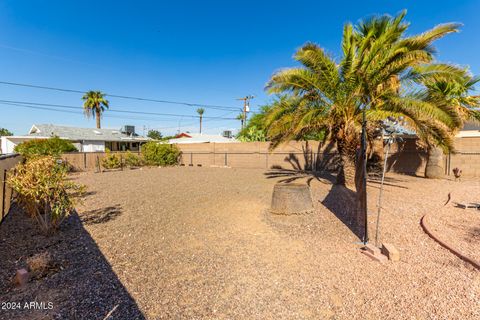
(196, 243)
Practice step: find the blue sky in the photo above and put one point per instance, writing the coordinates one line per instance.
(207, 52)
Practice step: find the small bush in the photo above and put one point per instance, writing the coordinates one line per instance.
(44, 193)
(160, 154)
(45, 147)
(40, 263)
(132, 160)
(111, 161)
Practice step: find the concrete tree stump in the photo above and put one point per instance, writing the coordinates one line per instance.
(291, 199)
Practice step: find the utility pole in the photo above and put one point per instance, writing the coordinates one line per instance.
(246, 108)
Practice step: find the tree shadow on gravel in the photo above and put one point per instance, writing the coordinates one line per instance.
(84, 285)
(341, 201)
(101, 215)
(389, 181)
(288, 176)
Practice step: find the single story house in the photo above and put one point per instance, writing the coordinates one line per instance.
(470, 130)
(200, 138)
(84, 139)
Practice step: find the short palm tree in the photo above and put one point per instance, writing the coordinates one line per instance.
(378, 60)
(455, 99)
(200, 112)
(94, 105)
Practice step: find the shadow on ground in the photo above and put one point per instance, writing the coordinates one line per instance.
(101, 215)
(83, 287)
(373, 181)
(341, 201)
(288, 176)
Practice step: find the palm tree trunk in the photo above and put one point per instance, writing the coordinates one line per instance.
(346, 141)
(346, 174)
(435, 163)
(97, 116)
(201, 124)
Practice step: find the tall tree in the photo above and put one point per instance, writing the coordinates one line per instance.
(200, 112)
(377, 61)
(154, 134)
(94, 105)
(5, 132)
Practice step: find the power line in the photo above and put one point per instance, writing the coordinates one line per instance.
(107, 116)
(116, 111)
(121, 96)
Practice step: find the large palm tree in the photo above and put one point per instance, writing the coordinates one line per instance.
(200, 112)
(377, 61)
(94, 105)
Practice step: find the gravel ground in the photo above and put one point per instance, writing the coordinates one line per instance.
(196, 243)
(460, 227)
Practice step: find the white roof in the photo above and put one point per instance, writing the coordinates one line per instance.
(202, 138)
(82, 134)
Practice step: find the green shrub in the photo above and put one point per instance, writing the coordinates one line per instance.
(45, 147)
(111, 161)
(160, 154)
(132, 160)
(43, 191)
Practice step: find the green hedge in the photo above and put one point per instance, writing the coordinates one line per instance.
(45, 147)
(160, 154)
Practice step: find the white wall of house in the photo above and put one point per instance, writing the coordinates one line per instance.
(6, 145)
(93, 146)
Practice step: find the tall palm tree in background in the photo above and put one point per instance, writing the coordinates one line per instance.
(200, 112)
(94, 105)
(377, 65)
(241, 117)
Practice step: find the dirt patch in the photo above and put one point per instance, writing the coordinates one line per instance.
(195, 243)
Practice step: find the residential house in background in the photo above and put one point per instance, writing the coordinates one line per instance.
(84, 139)
(200, 138)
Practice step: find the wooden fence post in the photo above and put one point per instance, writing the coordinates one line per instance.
(4, 193)
(85, 160)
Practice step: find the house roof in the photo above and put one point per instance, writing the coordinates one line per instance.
(201, 138)
(80, 134)
(471, 126)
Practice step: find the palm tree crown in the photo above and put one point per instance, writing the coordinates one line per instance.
(94, 105)
(200, 112)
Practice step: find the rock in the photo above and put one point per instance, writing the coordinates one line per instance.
(21, 277)
(391, 252)
(374, 253)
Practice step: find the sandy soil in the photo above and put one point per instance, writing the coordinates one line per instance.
(195, 243)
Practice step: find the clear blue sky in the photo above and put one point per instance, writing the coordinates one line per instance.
(208, 52)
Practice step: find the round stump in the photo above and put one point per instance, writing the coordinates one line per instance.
(291, 199)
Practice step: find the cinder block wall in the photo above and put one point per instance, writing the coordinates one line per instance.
(408, 157)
